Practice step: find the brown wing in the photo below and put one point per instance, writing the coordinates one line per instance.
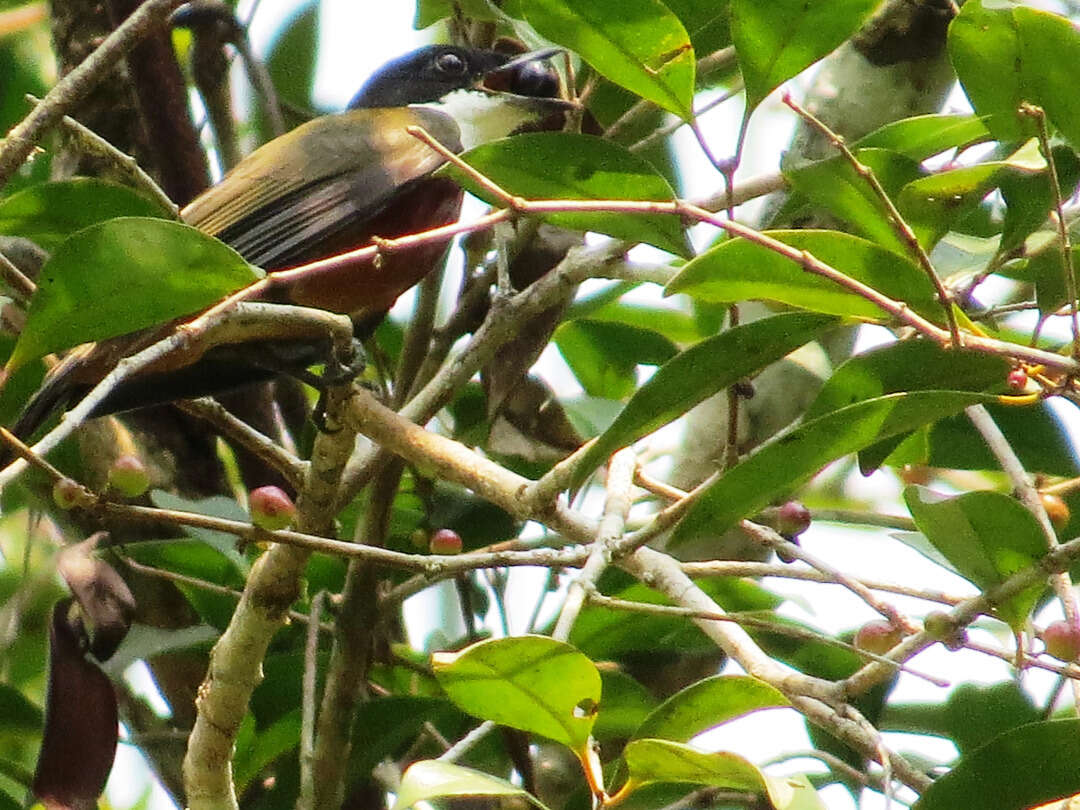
(302, 190)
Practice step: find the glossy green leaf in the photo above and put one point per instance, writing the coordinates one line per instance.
(699, 372)
(49, 213)
(532, 683)
(650, 761)
(933, 203)
(1028, 766)
(795, 455)
(924, 136)
(835, 185)
(560, 165)
(706, 704)
(638, 44)
(985, 51)
(1006, 56)
(1028, 197)
(1049, 44)
(433, 779)
(605, 354)
(265, 746)
(909, 365)
(122, 275)
(738, 270)
(778, 39)
(658, 761)
(987, 537)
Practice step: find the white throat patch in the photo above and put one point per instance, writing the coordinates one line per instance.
(484, 117)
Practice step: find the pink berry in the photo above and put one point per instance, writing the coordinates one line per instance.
(445, 541)
(1017, 380)
(877, 637)
(793, 519)
(1062, 641)
(271, 508)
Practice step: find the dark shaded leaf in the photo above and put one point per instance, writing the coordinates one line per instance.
(81, 725)
(1019, 769)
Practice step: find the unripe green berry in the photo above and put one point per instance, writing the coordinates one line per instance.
(128, 476)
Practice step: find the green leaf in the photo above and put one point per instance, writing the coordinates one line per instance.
(659, 761)
(835, 185)
(699, 372)
(625, 706)
(49, 213)
(976, 713)
(924, 136)
(433, 779)
(561, 165)
(909, 365)
(737, 270)
(532, 683)
(795, 455)
(122, 275)
(651, 761)
(1049, 45)
(605, 354)
(932, 204)
(985, 51)
(776, 40)
(1028, 766)
(1006, 56)
(707, 704)
(987, 537)
(638, 44)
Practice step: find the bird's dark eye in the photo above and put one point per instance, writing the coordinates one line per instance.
(450, 64)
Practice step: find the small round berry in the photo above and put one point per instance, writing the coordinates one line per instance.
(1056, 509)
(67, 494)
(128, 476)
(1017, 380)
(1062, 640)
(445, 541)
(419, 539)
(793, 519)
(878, 637)
(271, 508)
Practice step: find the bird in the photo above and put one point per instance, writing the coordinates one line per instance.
(324, 188)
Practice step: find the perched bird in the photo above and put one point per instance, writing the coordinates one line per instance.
(322, 189)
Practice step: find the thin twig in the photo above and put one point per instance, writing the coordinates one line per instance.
(306, 800)
(896, 219)
(1064, 240)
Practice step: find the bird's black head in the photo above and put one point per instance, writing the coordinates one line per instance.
(425, 75)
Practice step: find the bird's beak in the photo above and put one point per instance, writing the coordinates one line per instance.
(530, 56)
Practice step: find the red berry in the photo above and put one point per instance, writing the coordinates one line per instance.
(445, 541)
(1062, 640)
(128, 476)
(271, 508)
(1056, 509)
(793, 519)
(1017, 380)
(877, 637)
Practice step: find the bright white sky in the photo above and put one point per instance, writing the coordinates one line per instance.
(357, 38)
